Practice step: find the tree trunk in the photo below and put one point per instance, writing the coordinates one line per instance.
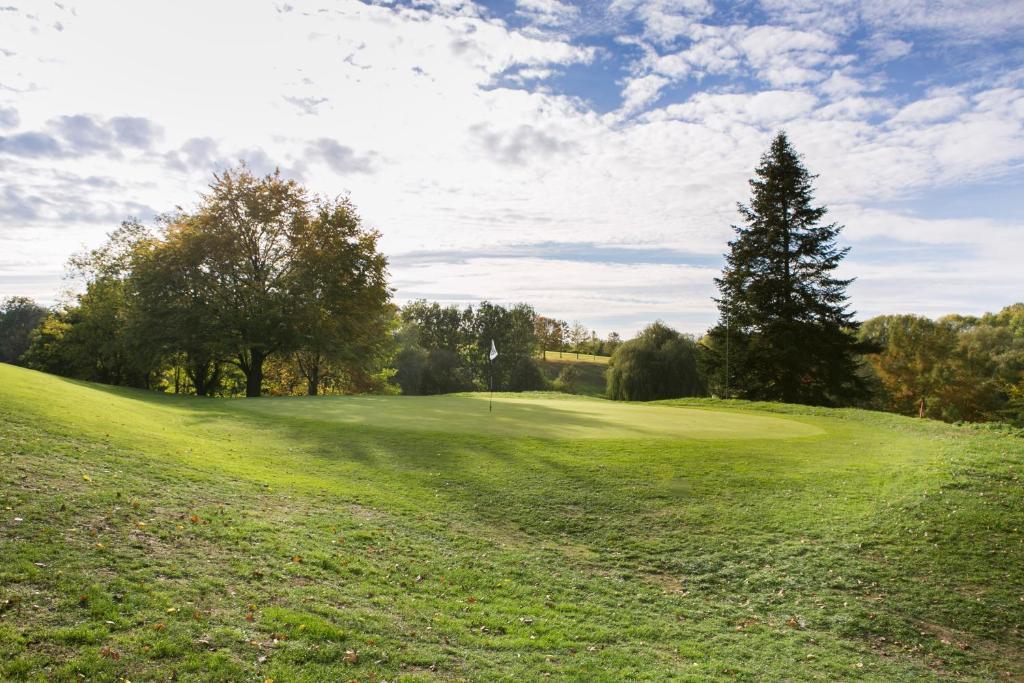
(254, 374)
(313, 380)
(921, 407)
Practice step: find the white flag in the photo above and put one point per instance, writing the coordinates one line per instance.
(494, 351)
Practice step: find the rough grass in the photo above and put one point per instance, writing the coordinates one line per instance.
(590, 377)
(146, 537)
(576, 358)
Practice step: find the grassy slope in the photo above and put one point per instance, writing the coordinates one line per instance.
(576, 358)
(591, 378)
(328, 540)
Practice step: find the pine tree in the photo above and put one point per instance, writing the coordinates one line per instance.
(783, 312)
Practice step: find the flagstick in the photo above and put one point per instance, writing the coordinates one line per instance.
(490, 382)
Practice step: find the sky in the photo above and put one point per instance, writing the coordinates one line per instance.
(586, 158)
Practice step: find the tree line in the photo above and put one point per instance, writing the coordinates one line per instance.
(259, 276)
(264, 288)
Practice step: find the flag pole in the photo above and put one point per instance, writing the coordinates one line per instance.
(727, 355)
(490, 375)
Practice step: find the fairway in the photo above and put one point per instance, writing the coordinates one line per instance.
(552, 416)
(148, 536)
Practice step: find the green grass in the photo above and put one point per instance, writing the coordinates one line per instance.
(148, 537)
(576, 358)
(590, 377)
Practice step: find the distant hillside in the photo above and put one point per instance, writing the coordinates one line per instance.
(590, 371)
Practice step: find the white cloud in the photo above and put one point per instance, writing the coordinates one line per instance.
(641, 91)
(931, 109)
(405, 109)
(547, 12)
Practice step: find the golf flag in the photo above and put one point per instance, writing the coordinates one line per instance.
(494, 351)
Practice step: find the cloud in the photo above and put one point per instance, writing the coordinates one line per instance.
(135, 131)
(498, 151)
(66, 203)
(194, 154)
(339, 158)
(767, 109)
(547, 12)
(931, 109)
(519, 145)
(9, 117)
(31, 144)
(642, 91)
(83, 134)
(307, 105)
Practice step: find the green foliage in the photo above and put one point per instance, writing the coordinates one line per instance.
(659, 363)
(782, 309)
(558, 538)
(443, 349)
(955, 368)
(19, 316)
(568, 380)
(258, 271)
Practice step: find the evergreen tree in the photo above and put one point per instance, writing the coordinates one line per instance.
(783, 312)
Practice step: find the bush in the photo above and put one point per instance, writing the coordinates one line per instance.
(526, 376)
(659, 363)
(568, 380)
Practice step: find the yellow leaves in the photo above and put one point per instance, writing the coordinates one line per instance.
(141, 525)
(159, 626)
(351, 657)
(296, 559)
(109, 653)
(172, 610)
(86, 477)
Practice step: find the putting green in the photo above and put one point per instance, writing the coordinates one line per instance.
(541, 416)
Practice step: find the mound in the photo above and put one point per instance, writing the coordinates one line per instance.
(147, 536)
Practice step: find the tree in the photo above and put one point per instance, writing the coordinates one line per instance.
(954, 368)
(91, 338)
(781, 305)
(578, 335)
(613, 342)
(659, 363)
(174, 305)
(341, 282)
(512, 330)
(245, 234)
(550, 333)
(19, 317)
(913, 364)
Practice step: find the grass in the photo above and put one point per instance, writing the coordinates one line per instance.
(590, 377)
(148, 537)
(576, 358)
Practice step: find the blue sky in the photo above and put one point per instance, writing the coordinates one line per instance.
(584, 157)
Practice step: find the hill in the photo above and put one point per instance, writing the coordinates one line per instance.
(146, 537)
(589, 371)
